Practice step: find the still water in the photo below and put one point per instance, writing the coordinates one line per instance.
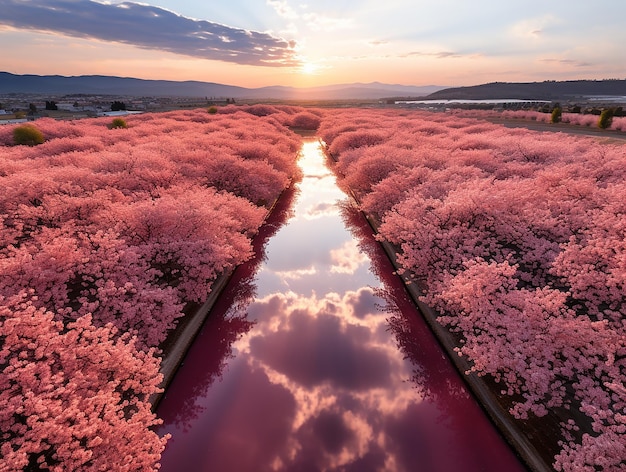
(314, 359)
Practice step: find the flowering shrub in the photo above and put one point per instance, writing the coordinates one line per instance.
(105, 238)
(73, 397)
(588, 120)
(306, 120)
(529, 115)
(130, 231)
(580, 120)
(518, 240)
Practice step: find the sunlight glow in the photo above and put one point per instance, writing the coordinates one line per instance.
(309, 68)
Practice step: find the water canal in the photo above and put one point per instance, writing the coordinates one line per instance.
(314, 359)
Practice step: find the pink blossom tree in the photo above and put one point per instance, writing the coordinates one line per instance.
(107, 235)
(73, 397)
(517, 239)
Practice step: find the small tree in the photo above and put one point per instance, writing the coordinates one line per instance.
(606, 118)
(118, 123)
(212, 110)
(51, 105)
(28, 135)
(118, 106)
(556, 116)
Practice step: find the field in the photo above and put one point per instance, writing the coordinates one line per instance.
(517, 239)
(107, 234)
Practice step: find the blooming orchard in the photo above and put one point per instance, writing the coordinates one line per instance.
(73, 396)
(106, 235)
(519, 241)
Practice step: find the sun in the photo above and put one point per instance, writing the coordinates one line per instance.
(309, 68)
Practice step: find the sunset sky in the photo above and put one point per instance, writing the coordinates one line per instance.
(255, 43)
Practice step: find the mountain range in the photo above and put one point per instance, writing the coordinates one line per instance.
(58, 85)
(125, 86)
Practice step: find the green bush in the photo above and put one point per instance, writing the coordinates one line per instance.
(118, 123)
(212, 110)
(606, 118)
(556, 115)
(28, 135)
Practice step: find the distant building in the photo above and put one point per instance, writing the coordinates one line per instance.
(67, 107)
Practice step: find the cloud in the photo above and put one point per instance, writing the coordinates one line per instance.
(315, 21)
(296, 274)
(347, 259)
(535, 28)
(149, 27)
(283, 9)
(318, 349)
(438, 55)
(321, 210)
(319, 22)
(363, 302)
(568, 62)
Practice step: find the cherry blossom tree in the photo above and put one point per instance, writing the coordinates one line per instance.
(107, 236)
(517, 239)
(73, 397)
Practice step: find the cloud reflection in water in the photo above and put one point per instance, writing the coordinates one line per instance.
(331, 374)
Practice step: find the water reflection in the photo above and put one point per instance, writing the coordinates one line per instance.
(227, 323)
(324, 372)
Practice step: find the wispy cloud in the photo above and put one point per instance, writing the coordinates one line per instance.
(320, 22)
(283, 9)
(438, 55)
(535, 28)
(313, 21)
(568, 62)
(149, 27)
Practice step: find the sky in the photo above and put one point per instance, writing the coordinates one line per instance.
(302, 43)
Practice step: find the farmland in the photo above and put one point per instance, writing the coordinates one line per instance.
(516, 239)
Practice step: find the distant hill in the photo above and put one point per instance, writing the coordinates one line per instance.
(549, 90)
(124, 86)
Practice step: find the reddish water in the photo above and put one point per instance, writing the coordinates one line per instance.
(314, 359)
